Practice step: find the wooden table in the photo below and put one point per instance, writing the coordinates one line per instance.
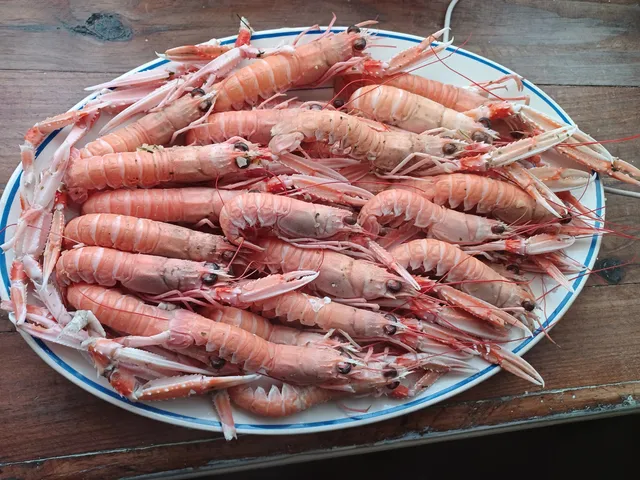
(585, 54)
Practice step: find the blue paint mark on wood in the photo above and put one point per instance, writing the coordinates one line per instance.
(610, 269)
(107, 27)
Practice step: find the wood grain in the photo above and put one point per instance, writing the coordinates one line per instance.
(550, 42)
(215, 456)
(583, 52)
(27, 99)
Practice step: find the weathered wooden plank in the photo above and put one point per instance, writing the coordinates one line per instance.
(5, 324)
(596, 345)
(592, 43)
(214, 455)
(29, 97)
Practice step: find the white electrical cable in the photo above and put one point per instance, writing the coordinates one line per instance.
(447, 20)
(624, 193)
(447, 26)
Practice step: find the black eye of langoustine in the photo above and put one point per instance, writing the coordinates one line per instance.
(498, 229)
(394, 286)
(338, 103)
(205, 106)
(485, 121)
(390, 329)
(344, 368)
(449, 148)
(217, 362)
(481, 137)
(390, 373)
(243, 147)
(353, 29)
(360, 44)
(514, 268)
(209, 278)
(351, 220)
(242, 162)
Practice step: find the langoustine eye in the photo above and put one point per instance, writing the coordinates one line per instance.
(394, 286)
(481, 137)
(360, 44)
(350, 220)
(338, 103)
(344, 368)
(449, 148)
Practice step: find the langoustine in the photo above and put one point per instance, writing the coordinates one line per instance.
(138, 272)
(191, 205)
(339, 275)
(402, 207)
(281, 401)
(167, 278)
(140, 235)
(481, 194)
(461, 99)
(462, 271)
(157, 166)
(181, 328)
(414, 113)
(254, 125)
(253, 213)
(398, 151)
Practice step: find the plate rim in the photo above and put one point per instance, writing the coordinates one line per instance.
(422, 401)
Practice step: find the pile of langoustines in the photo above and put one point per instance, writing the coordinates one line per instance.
(283, 254)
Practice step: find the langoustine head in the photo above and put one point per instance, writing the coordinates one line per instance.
(246, 155)
(346, 48)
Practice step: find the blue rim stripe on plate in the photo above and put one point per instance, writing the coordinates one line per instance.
(199, 421)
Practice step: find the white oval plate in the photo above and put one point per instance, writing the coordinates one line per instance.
(197, 412)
